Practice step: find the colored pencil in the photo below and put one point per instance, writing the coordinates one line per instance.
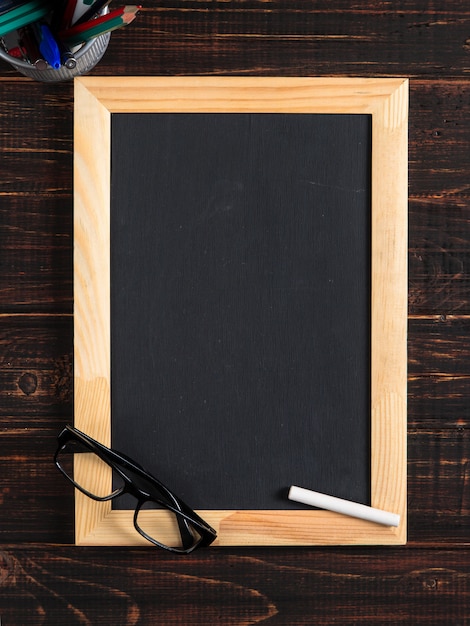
(94, 28)
(23, 9)
(6, 26)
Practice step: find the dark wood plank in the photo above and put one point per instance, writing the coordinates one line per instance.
(438, 435)
(439, 259)
(36, 197)
(439, 135)
(36, 501)
(348, 586)
(36, 389)
(36, 147)
(439, 346)
(418, 39)
(439, 486)
(35, 369)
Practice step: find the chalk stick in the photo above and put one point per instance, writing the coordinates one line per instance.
(345, 507)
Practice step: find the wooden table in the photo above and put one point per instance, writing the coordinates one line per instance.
(44, 579)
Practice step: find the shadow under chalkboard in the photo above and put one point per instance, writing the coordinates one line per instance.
(240, 304)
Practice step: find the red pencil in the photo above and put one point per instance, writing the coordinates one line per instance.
(126, 13)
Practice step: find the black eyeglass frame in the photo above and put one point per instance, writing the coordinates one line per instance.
(144, 487)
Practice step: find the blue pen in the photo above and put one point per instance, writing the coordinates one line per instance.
(48, 46)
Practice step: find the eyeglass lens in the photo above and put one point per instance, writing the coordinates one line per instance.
(88, 471)
(163, 526)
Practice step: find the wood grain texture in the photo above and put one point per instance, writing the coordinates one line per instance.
(93, 586)
(270, 38)
(424, 583)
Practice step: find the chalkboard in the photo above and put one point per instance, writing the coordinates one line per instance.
(240, 299)
(246, 280)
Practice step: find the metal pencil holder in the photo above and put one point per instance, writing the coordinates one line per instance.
(87, 57)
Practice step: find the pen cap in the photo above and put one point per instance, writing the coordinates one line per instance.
(86, 57)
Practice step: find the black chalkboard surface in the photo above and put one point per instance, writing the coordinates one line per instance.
(240, 303)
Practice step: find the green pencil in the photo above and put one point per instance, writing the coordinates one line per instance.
(23, 10)
(104, 24)
(6, 26)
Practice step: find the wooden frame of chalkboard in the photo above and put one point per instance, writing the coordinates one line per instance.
(97, 99)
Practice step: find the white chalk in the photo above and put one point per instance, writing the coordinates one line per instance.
(346, 507)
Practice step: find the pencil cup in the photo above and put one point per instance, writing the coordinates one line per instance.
(86, 57)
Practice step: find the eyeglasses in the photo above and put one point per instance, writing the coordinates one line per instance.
(129, 477)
